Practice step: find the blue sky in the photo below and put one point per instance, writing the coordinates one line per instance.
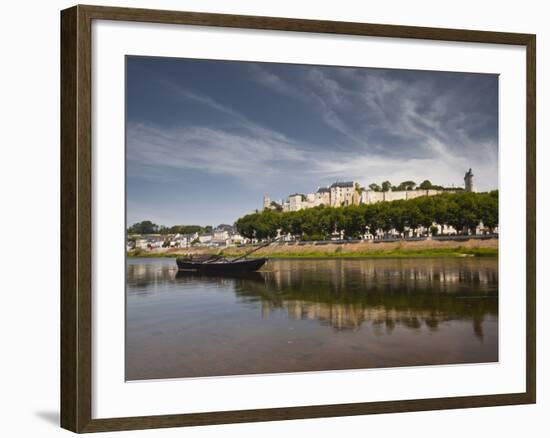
(207, 139)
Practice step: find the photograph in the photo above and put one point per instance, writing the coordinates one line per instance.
(298, 218)
(267, 219)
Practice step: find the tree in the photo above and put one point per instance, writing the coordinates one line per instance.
(327, 221)
(276, 206)
(397, 215)
(354, 222)
(413, 216)
(143, 227)
(371, 219)
(425, 185)
(375, 187)
(247, 225)
(386, 185)
(488, 209)
(469, 209)
(186, 229)
(271, 225)
(384, 216)
(406, 185)
(264, 225)
(463, 211)
(427, 208)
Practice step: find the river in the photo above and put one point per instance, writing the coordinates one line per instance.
(310, 315)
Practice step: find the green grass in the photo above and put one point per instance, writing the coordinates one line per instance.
(338, 253)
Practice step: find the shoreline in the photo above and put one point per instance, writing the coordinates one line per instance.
(400, 249)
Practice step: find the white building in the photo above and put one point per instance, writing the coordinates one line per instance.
(237, 239)
(220, 234)
(469, 181)
(372, 197)
(296, 202)
(322, 196)
(267, 202)
(206, 238)
(341, 194)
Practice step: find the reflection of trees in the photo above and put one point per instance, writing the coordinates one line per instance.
(386, 293)
(344, 294)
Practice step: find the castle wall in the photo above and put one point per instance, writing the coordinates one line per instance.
(322, 198)
(295, 202)
(395, 196)
(338, 196)
(372, 197)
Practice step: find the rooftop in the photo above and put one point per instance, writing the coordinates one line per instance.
(342, 184)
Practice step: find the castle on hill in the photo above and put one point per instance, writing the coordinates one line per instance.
(341, 194)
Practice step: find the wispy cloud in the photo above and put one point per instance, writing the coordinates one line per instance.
(323, 95)
(381, 113)
(214, 105)
(366, 125)
(216, 151)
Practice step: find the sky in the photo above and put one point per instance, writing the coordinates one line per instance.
(206, 139)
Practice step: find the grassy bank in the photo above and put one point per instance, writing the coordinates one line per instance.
(425, 253)
(422, 249)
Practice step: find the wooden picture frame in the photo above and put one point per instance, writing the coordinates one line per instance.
(76, 217)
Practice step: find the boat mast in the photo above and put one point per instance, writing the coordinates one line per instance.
(255, 249)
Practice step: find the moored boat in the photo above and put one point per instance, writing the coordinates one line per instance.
(219, 265)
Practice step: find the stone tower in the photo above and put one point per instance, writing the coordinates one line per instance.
(469, 181)
(267, 202)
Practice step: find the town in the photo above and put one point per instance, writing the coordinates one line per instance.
(330, 206)
(342, 194)
(156, 238)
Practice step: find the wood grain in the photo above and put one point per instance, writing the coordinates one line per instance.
(76, 220)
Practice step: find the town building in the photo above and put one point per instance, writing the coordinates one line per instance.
(341, 194)
(344, 193)
(223, 235)
(469, 181)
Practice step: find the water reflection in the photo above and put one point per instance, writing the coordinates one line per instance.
(420, 296)
(346, 293)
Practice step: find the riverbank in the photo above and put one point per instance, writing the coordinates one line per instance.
(400, 249)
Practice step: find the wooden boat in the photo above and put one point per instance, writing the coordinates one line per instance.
(219, 265)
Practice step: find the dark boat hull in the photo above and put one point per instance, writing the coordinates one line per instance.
(238, 267)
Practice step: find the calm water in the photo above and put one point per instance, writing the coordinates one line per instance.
(310, 315)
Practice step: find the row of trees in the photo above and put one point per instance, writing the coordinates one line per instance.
(463, 211)
(148, 227)
(406, 185)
